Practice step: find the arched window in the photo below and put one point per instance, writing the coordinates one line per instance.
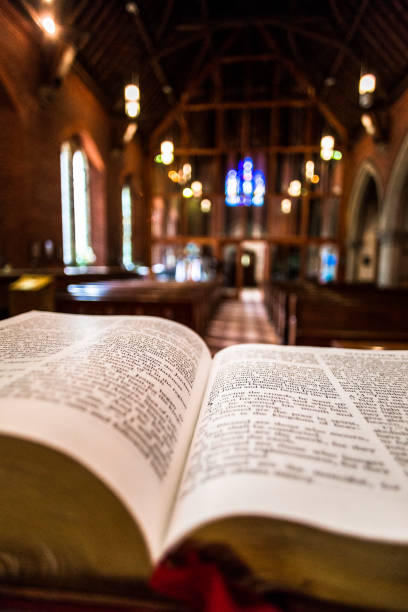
(127, 259)
(76, 225)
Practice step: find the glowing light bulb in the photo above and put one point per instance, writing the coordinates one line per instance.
(205, 206)
(196, 188)
(327, 142)
(315, 179)
(173, 176)
(132, 109)
(48, 24)
(326, 154)
(167, 158)
(286, 206)
(295, 188)
(366, 84)
(187, 192)
(166, 147)
(132, 93)
(309, 170)
(337, 155)
(187, 171)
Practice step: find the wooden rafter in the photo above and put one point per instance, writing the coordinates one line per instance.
(248, 57)
(193, 84)
(337, 14)
(348, 38)
(306, 84)
(168, 9)
(152, 57)
(168, 48)
(250, 104)
(211, 151)
(289, 26)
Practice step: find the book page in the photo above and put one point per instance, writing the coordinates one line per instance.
(120, 394)
(312, 435)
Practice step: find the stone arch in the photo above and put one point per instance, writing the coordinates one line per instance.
(365, 210)
(393, 268)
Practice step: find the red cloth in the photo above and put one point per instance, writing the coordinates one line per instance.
(200, 585)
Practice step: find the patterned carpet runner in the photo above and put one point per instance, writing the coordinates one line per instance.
(240, 321)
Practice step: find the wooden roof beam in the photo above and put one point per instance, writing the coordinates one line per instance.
(250, 104)
(166, 88)
(248, 57)
(194, 82)
(305, 82)
(168, 9)
(349, 37)
(256, 22)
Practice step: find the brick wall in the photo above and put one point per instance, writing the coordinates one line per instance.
(31, 135)
(382, 156)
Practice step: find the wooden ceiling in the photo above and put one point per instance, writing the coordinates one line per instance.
(234, 52)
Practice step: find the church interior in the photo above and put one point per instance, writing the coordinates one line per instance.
(239, 168)
(180, 147)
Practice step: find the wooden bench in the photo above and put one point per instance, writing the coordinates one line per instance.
(190, 303)
(62, 276)
(316, 315)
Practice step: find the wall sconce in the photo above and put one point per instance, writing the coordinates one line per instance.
(366, 89)
(377, 124)
(132, 100)
(368, 123)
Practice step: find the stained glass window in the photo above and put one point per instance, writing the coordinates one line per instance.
(245, 186)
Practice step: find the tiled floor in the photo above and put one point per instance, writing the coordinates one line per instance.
(240, 321)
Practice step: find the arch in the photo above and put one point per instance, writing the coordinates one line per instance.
(79, 141)
(393, 201)
(362, 221)
(368, 171)
(393, 265)
(89, 145)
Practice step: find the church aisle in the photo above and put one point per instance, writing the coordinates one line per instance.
(240, 321)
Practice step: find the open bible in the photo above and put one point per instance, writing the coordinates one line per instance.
(122, 440)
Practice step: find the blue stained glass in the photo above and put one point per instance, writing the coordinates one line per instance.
(245, 186)
(259, 189)
(232, 188)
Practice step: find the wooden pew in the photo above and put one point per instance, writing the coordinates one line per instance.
(307, 313)
(63, 276)
(190, 303)
(318, 317)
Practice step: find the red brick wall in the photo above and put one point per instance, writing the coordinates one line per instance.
(31, 136)
(381, 155)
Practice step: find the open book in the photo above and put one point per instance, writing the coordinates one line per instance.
(121, 439)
